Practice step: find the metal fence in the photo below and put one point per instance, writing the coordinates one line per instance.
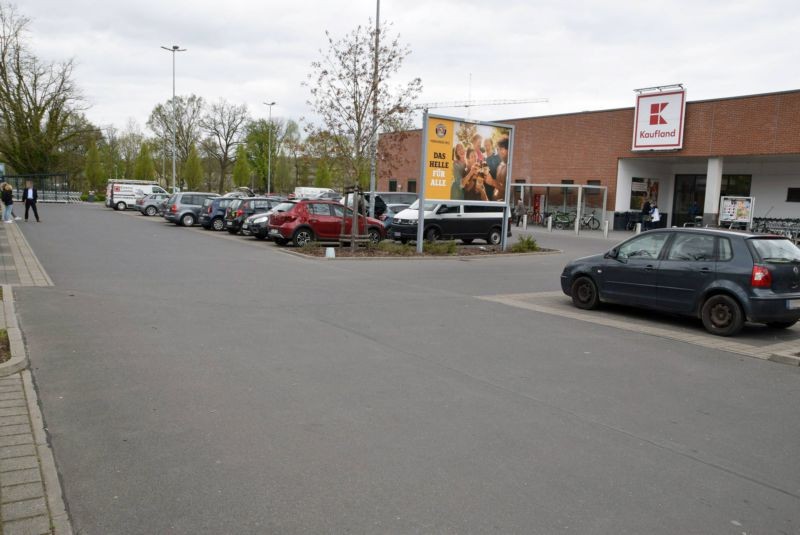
(54, 187)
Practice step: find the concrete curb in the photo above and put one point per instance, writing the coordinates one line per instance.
(462, 258)
(19, 358)
(52, 485)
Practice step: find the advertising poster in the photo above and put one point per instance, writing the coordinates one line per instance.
(466, 161)
(736, 210)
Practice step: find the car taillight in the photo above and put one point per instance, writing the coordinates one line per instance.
(209, 209)
(239, 213)
(761, 277)
(173, 208)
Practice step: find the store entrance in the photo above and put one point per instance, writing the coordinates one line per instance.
(690, 195)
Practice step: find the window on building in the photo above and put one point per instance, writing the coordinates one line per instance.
(412, 186)
(593, 191)
(393, 185)
(735, 185)
(793, 195)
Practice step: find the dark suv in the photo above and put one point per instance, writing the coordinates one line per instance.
(241, 209)
(723, 277)
(184, 208)
(212, 216)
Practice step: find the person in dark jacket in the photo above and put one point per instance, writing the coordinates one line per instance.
(31, 195)
(7, 196)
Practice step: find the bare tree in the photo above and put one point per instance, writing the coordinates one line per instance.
(223, 126)
(38, 101)
(342, 89)
(187, 116)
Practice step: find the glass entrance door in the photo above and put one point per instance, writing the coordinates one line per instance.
(690, 194)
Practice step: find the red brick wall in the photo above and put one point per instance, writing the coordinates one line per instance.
(586, 146)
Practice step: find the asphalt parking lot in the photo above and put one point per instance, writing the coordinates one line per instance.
(197, 382)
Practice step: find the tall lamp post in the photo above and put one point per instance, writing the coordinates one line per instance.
(173, 49)
(269, 148)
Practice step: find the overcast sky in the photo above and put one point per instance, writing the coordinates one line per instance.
(580, 55)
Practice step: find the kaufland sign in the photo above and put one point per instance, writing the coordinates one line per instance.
(658, 124)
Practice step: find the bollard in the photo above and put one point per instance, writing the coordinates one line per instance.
(577, 225)
(525, 222)
(638, 229)
(550, 223)
(605, 228)
(330, 252)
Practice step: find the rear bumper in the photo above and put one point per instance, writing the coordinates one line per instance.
(774, 308)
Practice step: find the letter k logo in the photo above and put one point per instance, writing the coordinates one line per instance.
(655, 113)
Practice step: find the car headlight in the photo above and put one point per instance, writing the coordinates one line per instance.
(259, 220)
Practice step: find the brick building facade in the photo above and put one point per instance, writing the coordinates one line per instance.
(749, 144)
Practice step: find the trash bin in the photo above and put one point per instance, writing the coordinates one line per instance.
(91, 197)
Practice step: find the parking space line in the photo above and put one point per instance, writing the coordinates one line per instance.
(528, 301)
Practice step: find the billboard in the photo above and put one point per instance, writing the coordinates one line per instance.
(735, 209)
(658, 120)
(466, 160)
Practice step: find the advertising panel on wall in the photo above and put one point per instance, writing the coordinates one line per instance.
(659, 120)
(643, 189)
(736, 209)
(466, 160)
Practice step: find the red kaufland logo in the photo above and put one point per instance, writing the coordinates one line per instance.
(655, 113)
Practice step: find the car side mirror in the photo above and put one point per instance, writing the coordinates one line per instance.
(441, 210)
(612, 253)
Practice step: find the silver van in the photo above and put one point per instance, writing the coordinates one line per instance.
(453, 220)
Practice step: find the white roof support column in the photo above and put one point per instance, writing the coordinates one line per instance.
(713, 188)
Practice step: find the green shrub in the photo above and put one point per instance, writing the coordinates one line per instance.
(440, 247)
(526, 244)
(395, 249)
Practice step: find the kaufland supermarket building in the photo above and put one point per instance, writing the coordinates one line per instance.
(741, 146)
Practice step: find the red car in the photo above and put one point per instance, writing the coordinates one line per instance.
(304, 221)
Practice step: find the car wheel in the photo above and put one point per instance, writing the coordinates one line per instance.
(584, 293)
(466, 241)
(433, 234)
(404, 240)
(218, 224)
(494, 237)
(120, 206)
(303, 237)
(374, 235)
(187, 220)
(781, 324)
(150, 211)
(722, 315)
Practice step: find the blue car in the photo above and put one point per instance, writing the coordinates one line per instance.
(723, 277)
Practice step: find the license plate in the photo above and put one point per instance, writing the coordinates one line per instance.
(229, 223)
(274, 232)
(244, 226)
(793, 304)
(397, 234)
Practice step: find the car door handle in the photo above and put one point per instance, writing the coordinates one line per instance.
(649, 267)
(313, 220)
(705, 270)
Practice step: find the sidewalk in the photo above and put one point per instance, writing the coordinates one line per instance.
(30, 492)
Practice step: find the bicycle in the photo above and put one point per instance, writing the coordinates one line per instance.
(562, 220)
(590, 221)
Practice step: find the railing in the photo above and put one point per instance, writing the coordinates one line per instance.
(783, 227)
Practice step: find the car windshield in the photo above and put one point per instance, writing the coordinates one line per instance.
(776, 251)
(235, 204)
(284, 207)
(429, 205)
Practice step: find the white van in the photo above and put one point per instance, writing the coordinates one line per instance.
(302, 192)
(453, 220)
(122, 194)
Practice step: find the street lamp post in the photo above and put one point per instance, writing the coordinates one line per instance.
(269, 148)
(173, 49)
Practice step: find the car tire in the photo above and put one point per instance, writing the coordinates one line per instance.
(120, 206)
(374, 235)
(150, 211)
(722, 315)
(781, 324)
(494, 237)
(218, 224)
(584, 293)
(187, 220)
(433, 234)
(302, 237)
(466, 241)
(404, 240)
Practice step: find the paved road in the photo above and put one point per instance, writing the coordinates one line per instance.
(197, 383)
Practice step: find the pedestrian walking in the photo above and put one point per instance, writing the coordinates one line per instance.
(7, 196)
(655, 216)
(646, 209)
(31, 195)
(519, 210)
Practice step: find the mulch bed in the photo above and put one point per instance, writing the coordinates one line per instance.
(5, 347)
